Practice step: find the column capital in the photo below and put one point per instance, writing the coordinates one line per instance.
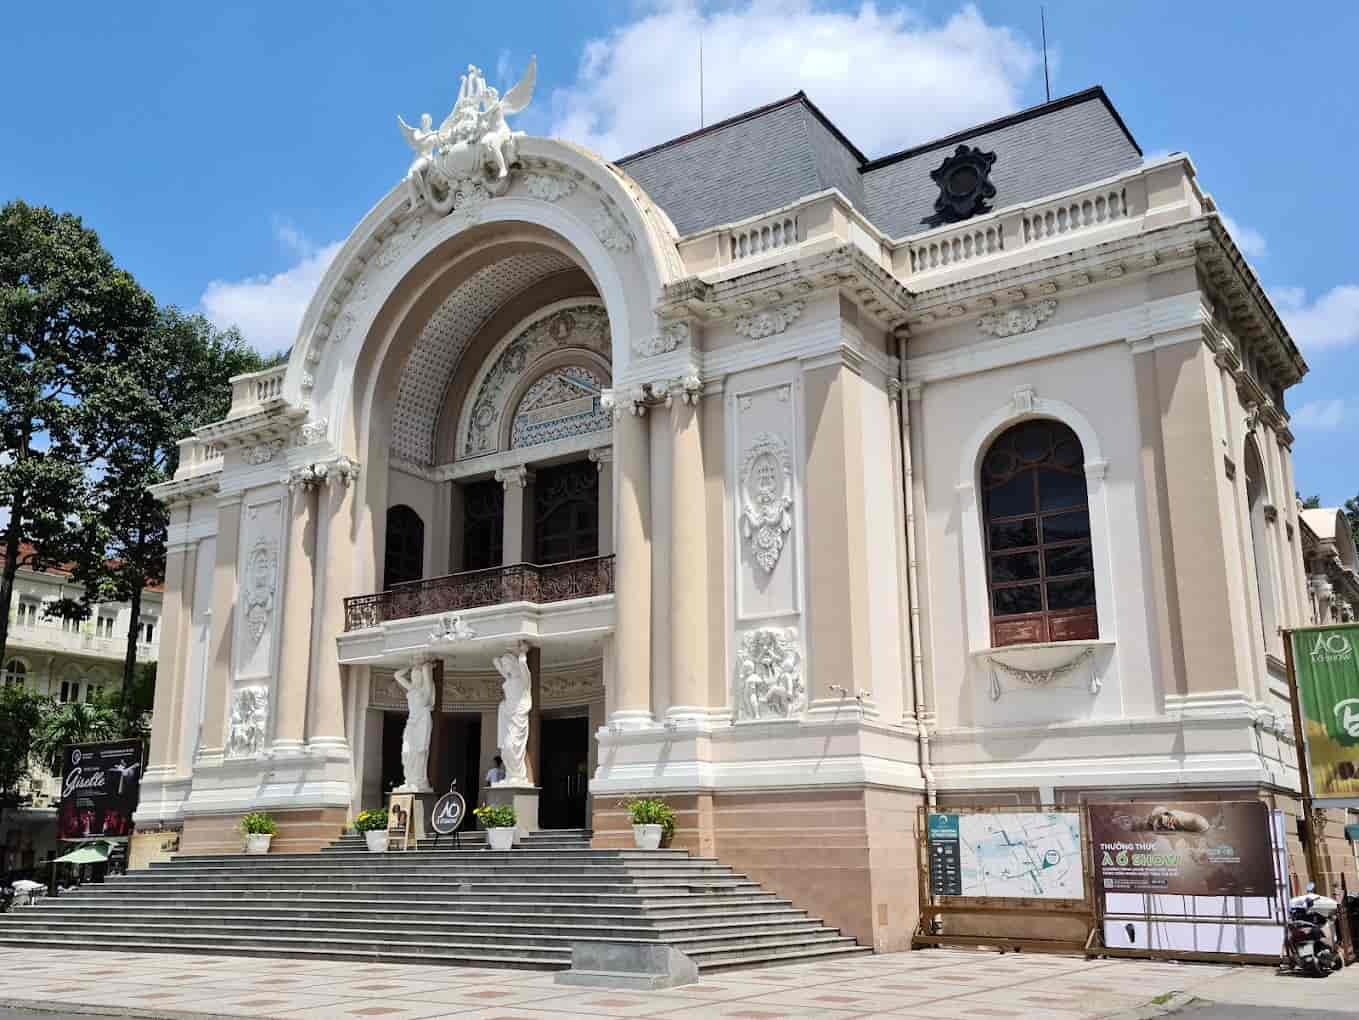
(601, 456)
(518, 475)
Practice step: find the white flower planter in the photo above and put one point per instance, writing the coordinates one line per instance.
(258, 843)
(647, 837)
(501, 839)
(376, 840)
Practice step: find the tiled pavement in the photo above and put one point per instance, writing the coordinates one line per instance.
(942, 984)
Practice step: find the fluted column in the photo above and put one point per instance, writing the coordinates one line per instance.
(224, 595)
(325, 714)
(631, 674)
(688, 564)
(294, 659)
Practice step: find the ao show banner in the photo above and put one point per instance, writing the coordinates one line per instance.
(1326, 673)
(100, 786)
(1183, 848)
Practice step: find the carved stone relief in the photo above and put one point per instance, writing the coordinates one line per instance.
(261, 453)
(573, 687)
(1020, 319)
(261, 584)
(768, 321)
(610, 232)
(548, 187)
(769, 683)
(663, 342)
(249, 719)
(584, 327)
(564, 402)
(766, 498)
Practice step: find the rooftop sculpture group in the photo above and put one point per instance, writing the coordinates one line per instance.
(473, 149)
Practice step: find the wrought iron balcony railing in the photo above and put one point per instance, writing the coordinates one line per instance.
(519, 582)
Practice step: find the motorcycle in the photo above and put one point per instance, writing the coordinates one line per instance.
(1305, 942)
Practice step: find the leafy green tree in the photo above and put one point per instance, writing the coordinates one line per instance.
(1310, 503)
(1352, 515)
(172, 379)
(65, 310)
(21, 713)
(76, 722)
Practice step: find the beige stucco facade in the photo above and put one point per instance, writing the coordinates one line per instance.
(785, 628)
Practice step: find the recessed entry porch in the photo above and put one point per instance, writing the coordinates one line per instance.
(562, 613)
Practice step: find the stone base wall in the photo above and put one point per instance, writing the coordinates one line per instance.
(846, 856)
(299, 832)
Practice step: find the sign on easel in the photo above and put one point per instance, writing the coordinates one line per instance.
(400, 821)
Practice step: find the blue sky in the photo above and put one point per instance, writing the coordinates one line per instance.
(223, 151)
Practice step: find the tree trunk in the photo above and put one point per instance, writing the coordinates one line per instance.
(130, 655)
(16, 516)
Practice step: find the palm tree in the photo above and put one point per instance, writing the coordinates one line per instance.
(74, 723)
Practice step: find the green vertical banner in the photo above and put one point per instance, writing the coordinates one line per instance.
(1326, 666)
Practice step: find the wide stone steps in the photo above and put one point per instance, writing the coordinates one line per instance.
(458, 906)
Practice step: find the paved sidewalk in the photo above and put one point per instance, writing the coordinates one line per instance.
(943, 984)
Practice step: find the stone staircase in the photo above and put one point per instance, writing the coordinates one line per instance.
(434, 905)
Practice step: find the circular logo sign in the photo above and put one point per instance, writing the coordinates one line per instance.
(75, 756)
(449, 811)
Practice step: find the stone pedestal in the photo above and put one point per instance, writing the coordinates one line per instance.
(524, 800)
(424, 810)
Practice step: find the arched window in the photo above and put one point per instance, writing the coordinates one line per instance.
(405, 560)
(15, 672)
(1040, 568)
(1257, 497)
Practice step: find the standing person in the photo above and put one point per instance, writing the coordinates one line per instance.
(496, 773)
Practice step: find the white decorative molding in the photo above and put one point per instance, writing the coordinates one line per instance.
(768, 321)
(549, 187)
(663, 342)
(634, 398)
(468, 159)
(518, 476)
(249, 719)
(769, 682)
(610, 232)
(397, 243)
(315, 431)
(471, 688)
(451, 628)
(688, 388)
(766, 498)
(261, 585)
(1022, 400)
(1019, 319)
(344, 325)
(261, 453)
(1046, 677)
(574, 687)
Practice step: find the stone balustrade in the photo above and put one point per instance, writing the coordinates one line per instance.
(256, 390)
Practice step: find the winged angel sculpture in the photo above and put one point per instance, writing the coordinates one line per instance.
(471, 153)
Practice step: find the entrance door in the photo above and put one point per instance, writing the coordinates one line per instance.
(462, 758)
(564, 772)
(566, 513)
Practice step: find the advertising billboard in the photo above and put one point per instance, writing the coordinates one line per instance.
(1183, 848)
(1008, 855)
(100, 786)
(1326, 671)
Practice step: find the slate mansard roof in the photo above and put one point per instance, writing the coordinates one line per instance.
(777, 154)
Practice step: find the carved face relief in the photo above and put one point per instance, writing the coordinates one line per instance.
(769, 681)
(766, 499)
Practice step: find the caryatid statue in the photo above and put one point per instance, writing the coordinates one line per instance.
(512, 719)
(418, 683)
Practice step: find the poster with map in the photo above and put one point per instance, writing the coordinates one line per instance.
(1015, 855)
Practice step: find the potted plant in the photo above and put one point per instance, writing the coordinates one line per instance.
(499, 821)
(259, 829)
(373, 825)
(652, 821)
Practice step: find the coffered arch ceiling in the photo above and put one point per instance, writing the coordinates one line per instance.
(445, 337)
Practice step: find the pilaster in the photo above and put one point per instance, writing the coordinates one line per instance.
(224, 598)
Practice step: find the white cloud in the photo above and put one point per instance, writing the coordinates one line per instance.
(1250, 241)
(1332, 320)
(1322, 415)
(269, 309)
(887, 76)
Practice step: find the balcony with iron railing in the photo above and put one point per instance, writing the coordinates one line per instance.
(533, 583)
